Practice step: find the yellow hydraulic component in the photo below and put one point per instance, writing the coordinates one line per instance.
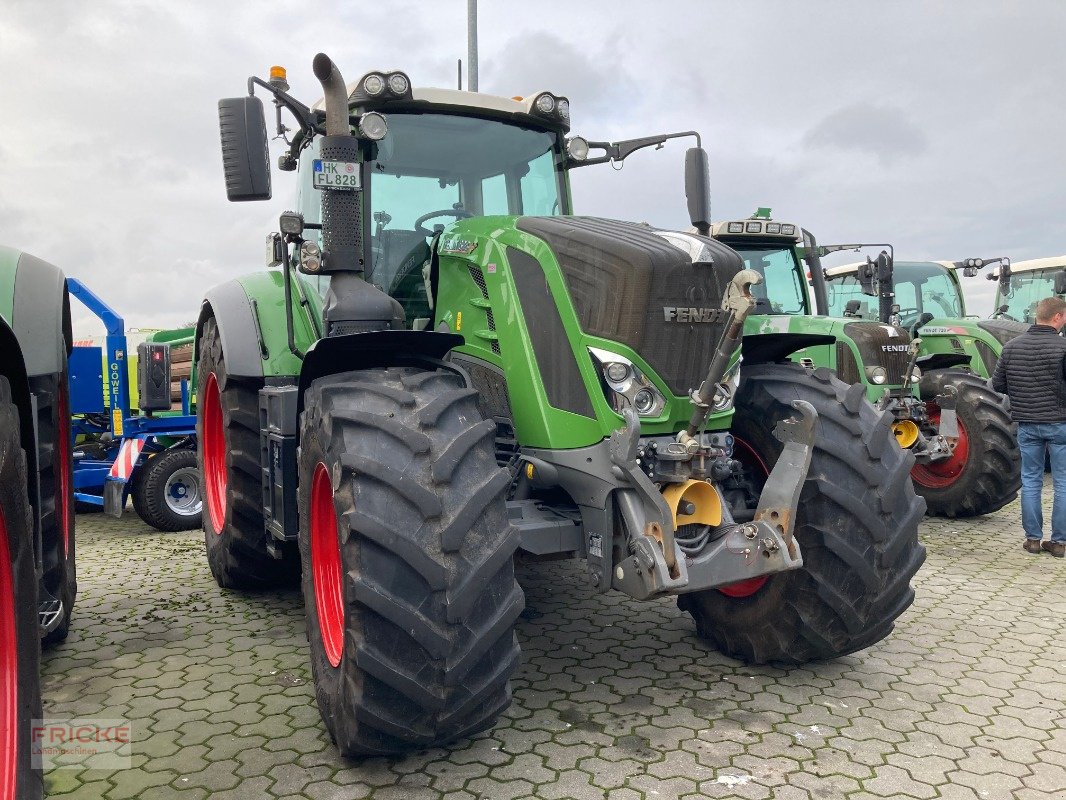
(706, 503)
(906, 432)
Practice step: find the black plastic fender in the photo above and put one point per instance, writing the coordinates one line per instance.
(238, 326)
(766, 348)
(373, 349)
(40, 317)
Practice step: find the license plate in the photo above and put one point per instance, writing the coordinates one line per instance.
(336, 175)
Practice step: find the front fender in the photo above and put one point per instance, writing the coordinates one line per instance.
(36, 306)
(250, 314)
(773, 338)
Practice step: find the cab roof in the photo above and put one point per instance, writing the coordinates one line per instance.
(1034, 264)
(845, 269)
(475, 102)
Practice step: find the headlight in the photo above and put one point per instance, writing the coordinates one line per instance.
(616, 371)
(372, 126)
(788, 230)
(545, 103)
(373, 85)
(398, 83)
(310, 256)
(563, 107)
(773, 227)
(753, 227)
(735, 227)
(577, 147)
(877, 375)
(626, 386)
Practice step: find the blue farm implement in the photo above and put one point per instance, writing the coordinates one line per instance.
(147, 453)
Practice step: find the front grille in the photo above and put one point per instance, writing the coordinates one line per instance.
(871, 338)
(988, 356)
(847, 369)
(626, 284)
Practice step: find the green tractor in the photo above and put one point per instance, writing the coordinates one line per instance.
(959, 430)
(400, 407)
(38, 584)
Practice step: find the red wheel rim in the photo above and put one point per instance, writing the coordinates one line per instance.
(943, 473)
(752, 460)
(214, 450)
(9, 670)
(326, 566)
(64, 469)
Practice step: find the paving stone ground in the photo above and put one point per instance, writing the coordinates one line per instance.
(615, 699)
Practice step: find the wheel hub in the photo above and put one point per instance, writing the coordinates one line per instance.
(754, 464)
(182, 492)
(944, 472)
(214, 454)
(326, 570)
(9, 737)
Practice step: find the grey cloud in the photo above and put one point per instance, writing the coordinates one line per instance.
(880, 130)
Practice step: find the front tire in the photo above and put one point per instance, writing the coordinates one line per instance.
(985, 471)
(856, 524)
(227, 450)
(407, 553)
(168, 494)
(20, 688)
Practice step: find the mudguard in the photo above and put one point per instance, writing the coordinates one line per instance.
(250, 313)
(36, 307)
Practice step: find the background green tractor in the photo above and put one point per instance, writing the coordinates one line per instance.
(984, 471)
(961, 469)
(400, 407)
(38, 584)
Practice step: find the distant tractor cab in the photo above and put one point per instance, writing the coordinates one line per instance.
(1022, 285)
(852, 317)
(446, 367)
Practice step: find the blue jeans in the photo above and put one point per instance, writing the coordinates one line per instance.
(1034, 438)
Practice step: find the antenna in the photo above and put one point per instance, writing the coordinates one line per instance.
(459, 69)
(471, 45)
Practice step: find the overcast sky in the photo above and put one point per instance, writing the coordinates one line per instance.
(938, 126)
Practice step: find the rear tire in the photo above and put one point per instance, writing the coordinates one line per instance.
(986, 472)
(856, 524)
(227, 450)
(55, 477)
(408, 573)
(157, 497)
(20, 649)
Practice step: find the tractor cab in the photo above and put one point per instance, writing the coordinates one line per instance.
(1022, 285)
(924, 290)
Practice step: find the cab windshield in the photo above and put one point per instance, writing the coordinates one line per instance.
(432, 169)
(782, 290)
(1026, 290)
(921, 288)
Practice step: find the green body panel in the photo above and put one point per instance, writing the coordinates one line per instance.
(824, 355)
(174, 337)
(9, 260)
(958, 337)
(267, 289)
(461, 307)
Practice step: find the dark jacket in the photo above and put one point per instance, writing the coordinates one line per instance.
(1032, 373)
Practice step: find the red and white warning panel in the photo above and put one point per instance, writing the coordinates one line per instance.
(127, 459)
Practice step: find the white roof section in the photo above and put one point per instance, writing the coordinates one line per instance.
(1054, 262)
(844, 269)
(455, 97)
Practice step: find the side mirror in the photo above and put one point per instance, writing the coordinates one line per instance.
(698, 189)
(851, 308)
(1060, 282)
(245, 154)
(867, 275)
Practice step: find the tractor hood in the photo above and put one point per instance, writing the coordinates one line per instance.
(1003, 329)
(658, 292)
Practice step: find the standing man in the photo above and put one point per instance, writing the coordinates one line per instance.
(1032, 373)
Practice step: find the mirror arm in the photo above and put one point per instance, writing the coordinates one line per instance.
(619, 151)
(303, 114)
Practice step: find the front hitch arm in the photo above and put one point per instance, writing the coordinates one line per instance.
(766, 545)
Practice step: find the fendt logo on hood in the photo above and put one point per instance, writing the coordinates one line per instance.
(896, 348)
(678, 314)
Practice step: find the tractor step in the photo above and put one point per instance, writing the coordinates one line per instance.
(49, 611)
